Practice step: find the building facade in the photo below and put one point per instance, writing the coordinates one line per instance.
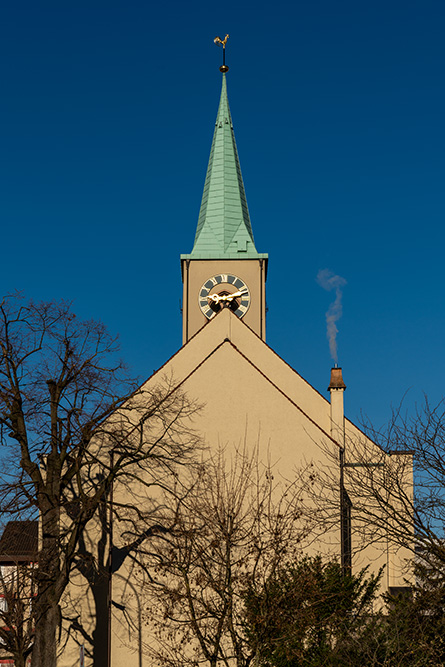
(18, 567)
(250, 402)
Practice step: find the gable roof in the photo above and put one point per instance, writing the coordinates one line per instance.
(19, 541)
(227, 328)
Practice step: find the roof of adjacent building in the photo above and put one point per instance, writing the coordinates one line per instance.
(224, 229)
(19, 541)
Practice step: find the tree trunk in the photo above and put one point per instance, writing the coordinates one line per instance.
(44, 653)
(19, 661)
(100, 590)
(49, 577)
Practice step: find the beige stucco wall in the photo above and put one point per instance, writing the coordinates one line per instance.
(252, 398)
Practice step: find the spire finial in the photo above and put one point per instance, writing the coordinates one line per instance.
(223, 42)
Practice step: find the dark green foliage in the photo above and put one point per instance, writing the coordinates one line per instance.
(309, 614)
(413, 631)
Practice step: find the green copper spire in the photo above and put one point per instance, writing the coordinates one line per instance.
(224, 229)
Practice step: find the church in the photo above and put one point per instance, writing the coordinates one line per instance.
(249, 399)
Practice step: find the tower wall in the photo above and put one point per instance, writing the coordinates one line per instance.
(196, 272)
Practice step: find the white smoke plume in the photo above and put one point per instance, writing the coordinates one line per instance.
(329, 281)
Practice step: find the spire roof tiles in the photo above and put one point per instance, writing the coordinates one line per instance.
(224, 229)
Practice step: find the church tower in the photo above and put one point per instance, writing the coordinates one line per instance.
(224, 269)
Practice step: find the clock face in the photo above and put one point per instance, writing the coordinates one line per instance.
(224, 291)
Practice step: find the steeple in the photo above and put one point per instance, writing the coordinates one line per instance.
(224, 230)
(224, 269)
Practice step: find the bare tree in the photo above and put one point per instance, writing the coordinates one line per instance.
(71, 426)
(17, 584)
(394, 480)
(415, 508)
(233, 527)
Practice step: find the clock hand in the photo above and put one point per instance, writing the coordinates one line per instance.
(229, 297)
(216, 298)
(225, 297)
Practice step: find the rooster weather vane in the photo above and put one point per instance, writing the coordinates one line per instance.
(223, 43)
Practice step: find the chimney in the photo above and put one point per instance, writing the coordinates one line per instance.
(336, 389)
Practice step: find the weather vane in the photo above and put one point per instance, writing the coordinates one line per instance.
(223, 42)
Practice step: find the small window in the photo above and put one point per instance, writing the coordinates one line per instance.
(346, 538)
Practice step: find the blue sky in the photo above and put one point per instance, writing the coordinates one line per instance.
(106, 122)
